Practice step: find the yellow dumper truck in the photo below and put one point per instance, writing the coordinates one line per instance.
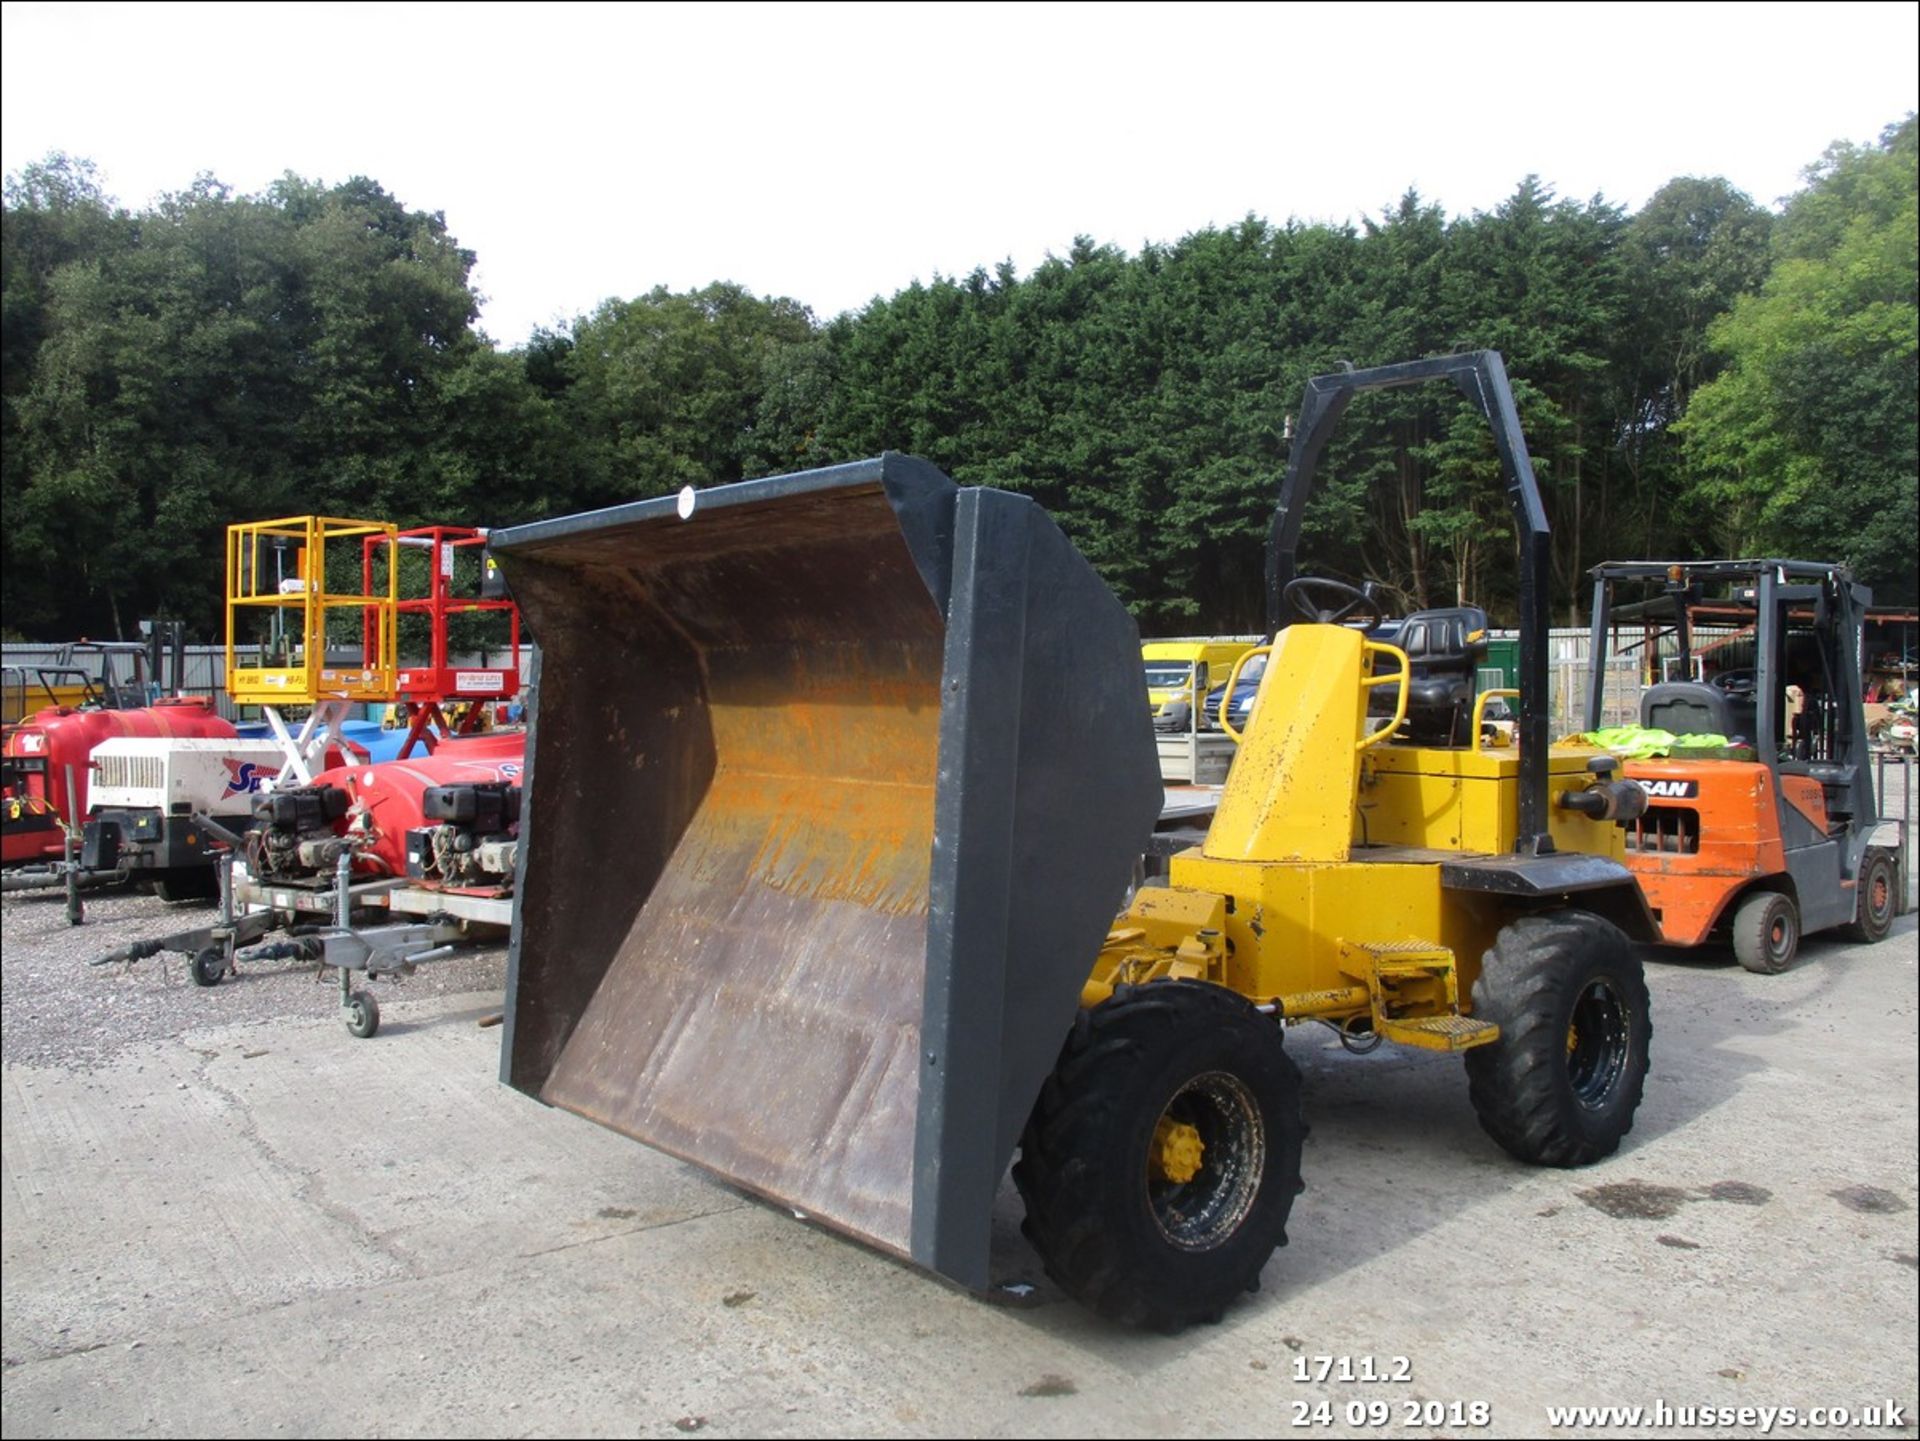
(836, 789)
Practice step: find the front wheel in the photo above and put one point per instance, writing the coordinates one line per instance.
(1766, 932)
(1162, 1158)
(1561, 1085)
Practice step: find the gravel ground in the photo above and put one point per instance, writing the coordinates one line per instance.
(57, 1010)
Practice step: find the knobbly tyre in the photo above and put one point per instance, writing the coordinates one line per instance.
(868, 754)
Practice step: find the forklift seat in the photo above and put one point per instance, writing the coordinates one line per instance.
(1688, 707)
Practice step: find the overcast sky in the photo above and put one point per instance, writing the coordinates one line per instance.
(837, 152)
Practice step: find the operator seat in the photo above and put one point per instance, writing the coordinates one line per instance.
(1444, 648)
(1689, 707)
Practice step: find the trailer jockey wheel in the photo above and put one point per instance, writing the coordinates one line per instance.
(209, 965)
(1349, 600)
(363, 1014)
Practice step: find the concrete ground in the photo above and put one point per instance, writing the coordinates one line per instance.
(257, 1225)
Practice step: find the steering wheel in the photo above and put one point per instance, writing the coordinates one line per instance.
(1736, 682)
(1350, 599)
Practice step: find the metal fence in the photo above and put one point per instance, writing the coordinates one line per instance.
(204, 673)
(1631, 666)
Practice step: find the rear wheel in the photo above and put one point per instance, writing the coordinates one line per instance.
(1561, 1085)
(1766, 932)
(1874, 899)
(1162, 1158)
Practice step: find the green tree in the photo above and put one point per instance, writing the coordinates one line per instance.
(1540, 281)
(220, 356)
(1692, 250)
(227, 358)
(665, 389)
(55, 215)
(1809, 442)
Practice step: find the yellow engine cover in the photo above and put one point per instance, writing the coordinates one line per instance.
(1467, 800)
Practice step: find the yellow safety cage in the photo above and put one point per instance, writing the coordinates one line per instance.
(279, 568)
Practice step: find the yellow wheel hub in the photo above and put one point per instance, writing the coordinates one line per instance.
(1176, 1153)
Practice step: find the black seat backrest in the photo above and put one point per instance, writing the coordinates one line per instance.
(1444, 660)
(1688, 707)
(1436, 640)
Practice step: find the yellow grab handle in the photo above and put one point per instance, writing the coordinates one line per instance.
(1480, 708)
(1403, 679)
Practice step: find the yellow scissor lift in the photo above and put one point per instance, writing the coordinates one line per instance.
(278, 569)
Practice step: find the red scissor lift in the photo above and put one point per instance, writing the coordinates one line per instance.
(422, 691)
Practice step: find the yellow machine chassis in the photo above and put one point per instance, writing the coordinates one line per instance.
(1319, 890)
(305, 601)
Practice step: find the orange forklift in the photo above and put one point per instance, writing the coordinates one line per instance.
(1774, 831)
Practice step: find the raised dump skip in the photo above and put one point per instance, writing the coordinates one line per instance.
(834, 788)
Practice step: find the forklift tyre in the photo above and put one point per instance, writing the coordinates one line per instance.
(1560, 1086)
(1875, 899)
(1161, 1160)
(1766, 932)
(209, 965)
